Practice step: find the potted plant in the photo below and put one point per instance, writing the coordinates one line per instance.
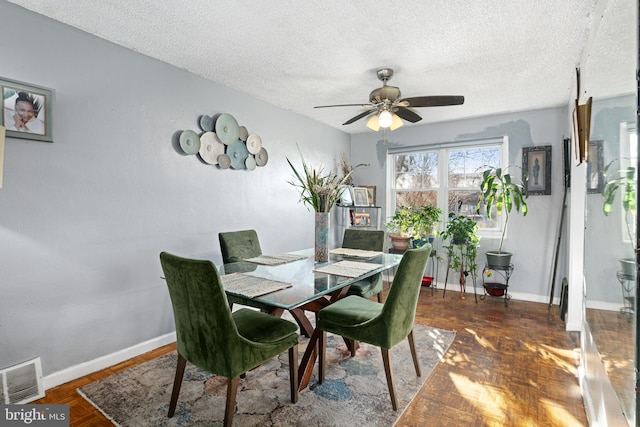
(623, 180)
(424, 223)
(500, 190)
(400, 227)
(461, 231)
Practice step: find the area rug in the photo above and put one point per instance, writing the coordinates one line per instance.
(354, 392)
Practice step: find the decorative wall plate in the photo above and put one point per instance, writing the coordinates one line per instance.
(254, 143)
(238, 154)
(210, 148)
(227, 129)
(206, 123)
(189, 142)
(244, 133)
(262, 157)
(250, 163)
(224, 161)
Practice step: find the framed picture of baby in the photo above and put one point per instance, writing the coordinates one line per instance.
(26, 111)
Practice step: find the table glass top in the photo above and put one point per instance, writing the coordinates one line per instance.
(307, 284)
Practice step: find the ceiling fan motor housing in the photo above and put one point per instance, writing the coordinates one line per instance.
(384, 94)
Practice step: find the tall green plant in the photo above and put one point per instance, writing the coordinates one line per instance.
(500, 190)
(623, 181)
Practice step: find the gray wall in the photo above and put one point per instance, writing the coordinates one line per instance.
(531, 238)
(83, 219)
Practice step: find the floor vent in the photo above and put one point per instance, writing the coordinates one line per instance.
(22, 383)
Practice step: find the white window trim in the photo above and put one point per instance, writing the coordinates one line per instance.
(503, 141)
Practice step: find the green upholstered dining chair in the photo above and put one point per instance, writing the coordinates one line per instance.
(368, 240)
(235, 247)
(239, 245)
(382, 325)
(216, 340)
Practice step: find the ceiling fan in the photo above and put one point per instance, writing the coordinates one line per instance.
(387, 109)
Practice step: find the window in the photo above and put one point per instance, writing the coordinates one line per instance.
(447, 176)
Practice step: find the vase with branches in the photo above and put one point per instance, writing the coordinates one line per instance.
(320, 191)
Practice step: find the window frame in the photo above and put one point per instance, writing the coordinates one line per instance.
(442, 190)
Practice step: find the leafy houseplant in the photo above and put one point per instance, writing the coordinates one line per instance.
(500, 190)
(461, 231)
(400, 226)
(623, 181)
(425, 220)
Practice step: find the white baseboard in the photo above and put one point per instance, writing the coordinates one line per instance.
(103, 362)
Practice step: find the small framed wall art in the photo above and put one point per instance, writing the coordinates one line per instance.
(536, 162)
(26, 111)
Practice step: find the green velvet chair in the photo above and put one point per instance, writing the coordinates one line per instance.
(368, 240)
(237, 246)
(216, 340)
(382, 325)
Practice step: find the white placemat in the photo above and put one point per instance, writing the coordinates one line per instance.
(348, 268)
(275, 259)
(251, 286)
(355, 253)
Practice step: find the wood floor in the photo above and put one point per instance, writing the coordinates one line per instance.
(508, 366)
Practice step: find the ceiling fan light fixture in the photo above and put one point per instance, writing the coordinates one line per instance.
(396, 122)
(385, 119)
(373, 123)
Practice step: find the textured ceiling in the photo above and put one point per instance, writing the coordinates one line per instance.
(502, 55)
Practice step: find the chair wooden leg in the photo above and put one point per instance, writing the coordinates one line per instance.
(293, 372)
(177, 382)
(380, 297)
(387, 370)
(232, 389)
(322, 344)
(352, 346)
(414, 354)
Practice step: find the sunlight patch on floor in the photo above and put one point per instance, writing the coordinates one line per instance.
(558, 415)
(482, 341)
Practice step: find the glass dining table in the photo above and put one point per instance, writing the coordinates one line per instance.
(308, 289)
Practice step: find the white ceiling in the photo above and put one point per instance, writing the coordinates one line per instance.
(502, 55)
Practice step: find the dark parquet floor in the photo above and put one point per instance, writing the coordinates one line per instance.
(508, 366)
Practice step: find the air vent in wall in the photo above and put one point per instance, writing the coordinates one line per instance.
(22, 383)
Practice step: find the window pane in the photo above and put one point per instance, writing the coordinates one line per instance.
(465, 203)
(416, 198)
(415, 171)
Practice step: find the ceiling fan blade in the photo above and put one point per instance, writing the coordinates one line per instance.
(408, 115)
(431, 101)
(345, 105)
(358, 117)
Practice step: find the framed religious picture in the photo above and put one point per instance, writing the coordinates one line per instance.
(536, 163)
(26, 111)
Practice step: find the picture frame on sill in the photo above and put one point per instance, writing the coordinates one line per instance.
(26, 110)
(595, 167)
(360, 196)
(536, 163)
(371, 190)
